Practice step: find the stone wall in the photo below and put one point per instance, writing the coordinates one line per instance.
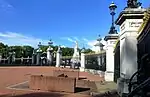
(52, 83)
(83, 83)
(95, 72)
(71, 74)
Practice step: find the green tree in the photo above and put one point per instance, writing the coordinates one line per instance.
(55, 48)
(67, 51)
(17, 50)
(21, 51)
(44, 48)
(28, 51)
(2, 45)
(88, 51)
(3, 50)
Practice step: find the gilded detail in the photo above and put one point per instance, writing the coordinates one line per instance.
(116, 43)
(145, 21)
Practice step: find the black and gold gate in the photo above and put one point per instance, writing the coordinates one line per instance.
(143, 74)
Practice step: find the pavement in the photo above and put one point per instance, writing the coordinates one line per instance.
(10, 76)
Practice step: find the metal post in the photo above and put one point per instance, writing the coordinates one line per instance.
(112, 8)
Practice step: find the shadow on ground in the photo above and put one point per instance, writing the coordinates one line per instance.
(80, 89)
(25, 86)
(112, 93)
(40, 94)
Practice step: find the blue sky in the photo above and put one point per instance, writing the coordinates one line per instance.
(64, 21)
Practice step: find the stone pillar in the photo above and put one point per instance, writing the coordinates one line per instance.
(49, 56)
(0, 58)
(38, 59)
(13, 57)
(129, 21)
(82, 68)
(99, 60)
(9, 58)
(21, 60)
(54, 54)
(111, 40)
(39, 51)
(58, 57)
(33, 59)
(28, 60)
(86, 61)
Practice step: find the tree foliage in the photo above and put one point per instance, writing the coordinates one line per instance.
(88, 51)
(25, 51)
(67, 51)
(20, 51)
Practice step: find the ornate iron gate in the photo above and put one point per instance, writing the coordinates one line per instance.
(142, 88)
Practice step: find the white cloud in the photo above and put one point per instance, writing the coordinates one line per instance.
(71, 40)
(76, 39)
(68, 39)
(85, 39)
(62, 46)
(5, 5)
(12, 38)
(91, 44)
(87, 43)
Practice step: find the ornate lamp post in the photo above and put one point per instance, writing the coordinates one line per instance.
(50, 42)
(112, 8)
(39, 45)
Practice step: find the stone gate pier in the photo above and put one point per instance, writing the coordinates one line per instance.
(129, 21)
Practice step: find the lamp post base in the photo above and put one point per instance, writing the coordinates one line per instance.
(109, 76)
(82, 69)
